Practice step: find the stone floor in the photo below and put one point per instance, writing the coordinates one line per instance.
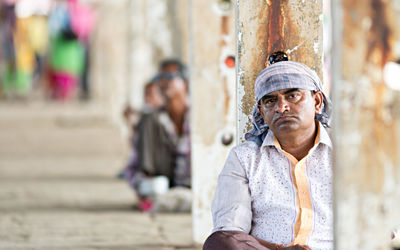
(58, 189)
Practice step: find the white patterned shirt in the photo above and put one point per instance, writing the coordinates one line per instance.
(268, 193)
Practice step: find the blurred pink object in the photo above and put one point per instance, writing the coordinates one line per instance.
(62, 85)
(81, 19)
(145, 205)
(9, 2)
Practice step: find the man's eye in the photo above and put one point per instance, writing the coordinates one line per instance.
(269, 101)
(293, 96)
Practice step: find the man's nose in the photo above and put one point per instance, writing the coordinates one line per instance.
(281, 106)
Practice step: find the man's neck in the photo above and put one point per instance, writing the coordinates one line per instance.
(298, 145)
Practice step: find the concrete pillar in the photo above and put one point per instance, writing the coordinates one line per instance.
(213, 116)
(178, 23)
(150, 41)
(263, 27)
(159, 30)
(130, 39)
(367, 122)
(108, 62)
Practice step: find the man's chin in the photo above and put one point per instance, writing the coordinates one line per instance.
(285, 127)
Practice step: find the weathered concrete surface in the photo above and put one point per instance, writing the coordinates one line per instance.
(264, 27)
(213, 104)
(366, 126)
(58, 188)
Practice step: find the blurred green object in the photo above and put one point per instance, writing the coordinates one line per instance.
(17, 82)
(67, 55)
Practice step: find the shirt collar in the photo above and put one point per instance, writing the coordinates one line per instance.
(322, 135)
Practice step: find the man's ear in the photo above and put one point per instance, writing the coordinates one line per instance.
(319, 100)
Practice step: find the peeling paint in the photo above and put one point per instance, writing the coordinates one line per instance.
(316, 47)
(290, 51)
(239, 36)
(275, 29)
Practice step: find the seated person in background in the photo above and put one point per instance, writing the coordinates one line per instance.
(153, 101)
(274, 191)
(163, 145)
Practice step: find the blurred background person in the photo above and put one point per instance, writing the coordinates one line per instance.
(18, 53)
(162, 142)
(66, 53)
(153, 98)
(82, 23)
(153, 101)
(8, 22)
(70, 24)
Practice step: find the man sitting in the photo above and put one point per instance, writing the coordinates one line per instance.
(275, 189)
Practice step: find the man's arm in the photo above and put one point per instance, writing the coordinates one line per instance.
(231, 207)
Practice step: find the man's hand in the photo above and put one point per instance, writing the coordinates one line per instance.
(296, 247)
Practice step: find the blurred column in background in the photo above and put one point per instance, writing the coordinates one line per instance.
(367, 122)
(110, 55)
(213, 102)
(131, 38)
(159, 30)
(264, 27)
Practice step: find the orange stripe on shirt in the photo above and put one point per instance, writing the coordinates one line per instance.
(304, 222)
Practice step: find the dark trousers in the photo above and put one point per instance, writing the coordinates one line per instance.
(232, 240)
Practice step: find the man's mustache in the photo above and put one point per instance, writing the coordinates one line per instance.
(283, 115)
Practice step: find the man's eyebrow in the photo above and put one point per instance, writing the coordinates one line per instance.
(267, 97)
(291, 90)
(286, 92)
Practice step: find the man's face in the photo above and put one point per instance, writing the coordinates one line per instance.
(174, 87)
(290, 110)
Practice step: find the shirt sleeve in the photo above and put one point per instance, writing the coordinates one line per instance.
(231, 207)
